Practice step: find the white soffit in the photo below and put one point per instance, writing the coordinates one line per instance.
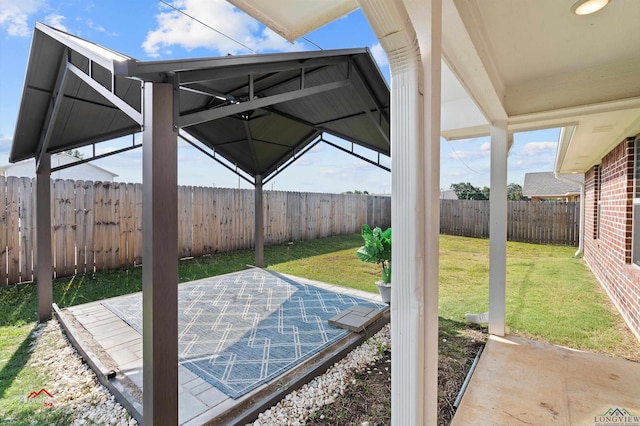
(294, 18)
(460, 117)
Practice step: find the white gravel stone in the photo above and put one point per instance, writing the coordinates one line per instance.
(296, 407)
(74, 386)
(76, 389)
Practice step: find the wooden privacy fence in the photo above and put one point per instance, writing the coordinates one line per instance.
(98, 225)
(530, 222)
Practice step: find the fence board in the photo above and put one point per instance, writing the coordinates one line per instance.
(542, 223)
(137, 254)
(26, 225)
(80, 231)
(98, 225)
(89, 218)
(3, 230)
(197, 224)
(100, 234)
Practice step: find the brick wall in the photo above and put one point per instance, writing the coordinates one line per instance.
(608, 230)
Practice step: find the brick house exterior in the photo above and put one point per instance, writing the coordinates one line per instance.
(608, 230)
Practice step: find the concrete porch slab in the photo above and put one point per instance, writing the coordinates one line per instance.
(520, 381)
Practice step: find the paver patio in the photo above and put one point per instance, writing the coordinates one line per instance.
(114, 350)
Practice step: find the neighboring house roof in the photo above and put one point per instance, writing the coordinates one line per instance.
(84, 171)
(545, 184)
(448, 194)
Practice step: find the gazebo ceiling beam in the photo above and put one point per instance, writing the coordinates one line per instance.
(130, 111)
(289, 161)
(53, 111)
(225, 111)
(254, 157)
(105, 137)
(363, 158)
(210, 74)
(96, 157)
(324, 129)
(357, 75)
(215, 158)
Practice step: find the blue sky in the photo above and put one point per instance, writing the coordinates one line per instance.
(151, 30)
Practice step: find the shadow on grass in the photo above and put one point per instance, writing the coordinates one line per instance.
(16, 363)
(85, 288)
(452, 336)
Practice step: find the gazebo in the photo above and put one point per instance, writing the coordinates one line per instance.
(255, 114)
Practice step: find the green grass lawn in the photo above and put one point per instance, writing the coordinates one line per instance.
(550, 296)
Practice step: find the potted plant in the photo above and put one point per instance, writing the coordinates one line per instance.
(377, 249)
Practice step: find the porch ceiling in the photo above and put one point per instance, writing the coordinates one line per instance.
(534, 63)
(257, 111)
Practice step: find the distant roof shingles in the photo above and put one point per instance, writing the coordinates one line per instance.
(545, 184)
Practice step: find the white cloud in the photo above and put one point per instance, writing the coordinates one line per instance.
(55, 21)
(538, 148)
(175, 28)
(14, 16)
(485, 146)
(379, 55)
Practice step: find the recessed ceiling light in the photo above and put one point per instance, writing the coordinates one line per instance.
(587, 7)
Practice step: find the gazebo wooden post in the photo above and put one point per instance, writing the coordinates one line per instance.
(44, 275)
(160, 257)
(259, 223)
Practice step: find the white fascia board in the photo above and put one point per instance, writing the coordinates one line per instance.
(293, 18)
(564, 140)
(110, 59)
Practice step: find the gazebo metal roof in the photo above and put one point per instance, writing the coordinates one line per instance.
(257, 111)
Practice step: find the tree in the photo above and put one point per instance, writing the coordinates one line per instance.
(486, 191)
(357, 192)
(75, 153)
(514, 192)
(466, 191)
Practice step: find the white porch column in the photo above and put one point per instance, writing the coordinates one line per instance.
(43, 231)
(160, 257)
(415, 174)
(498, 228)
(259, 223)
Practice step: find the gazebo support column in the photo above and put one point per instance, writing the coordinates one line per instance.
(498, 228)
(160, 257)
(259, 223)
(43, 232)
(415, 174)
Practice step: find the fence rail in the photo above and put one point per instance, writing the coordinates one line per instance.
(98, 225)
(529, 222)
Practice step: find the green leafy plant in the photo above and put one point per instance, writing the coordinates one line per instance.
(377, 249)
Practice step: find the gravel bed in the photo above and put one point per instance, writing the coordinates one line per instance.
(297, 406)
(77, 391)
(72, 383)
